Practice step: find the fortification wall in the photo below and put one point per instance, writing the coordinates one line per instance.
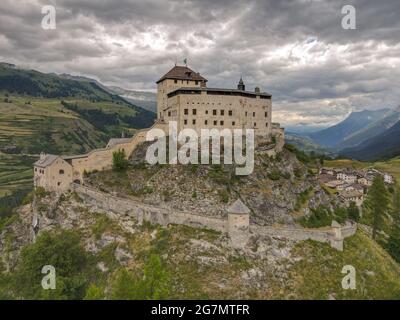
(144, 212)
(101, 159)
(156, 215)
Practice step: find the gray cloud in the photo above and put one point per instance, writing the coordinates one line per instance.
(296, 50)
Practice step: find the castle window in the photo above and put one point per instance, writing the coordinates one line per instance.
(221, 123)
(205, 122)
(206, 111)
(266, 124)
(35, 169)
(215, 122)
(185, 121)
(255, 124)
(61, 171)
(169, 113)
(214, 112)
(266, 114)
(58, 183)
(222, 112)
(246, 113)
(197, 82)
(194, 121)
(230, 112)
(175, 81)
(186, 111)
(233, 123)
(194, 111)
(254, 114)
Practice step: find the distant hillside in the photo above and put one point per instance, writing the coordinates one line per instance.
(380, 125)
(143, 99)
(146, 100)
(383, 146)
(56, 114)
(305, 144)
(356, 121)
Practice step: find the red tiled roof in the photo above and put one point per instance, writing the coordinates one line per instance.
(182, 73)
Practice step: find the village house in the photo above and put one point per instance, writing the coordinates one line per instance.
(347, 177)
(352, 196)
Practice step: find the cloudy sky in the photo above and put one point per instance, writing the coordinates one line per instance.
(298, 51)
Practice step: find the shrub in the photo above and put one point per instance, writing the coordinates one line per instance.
(274, 175)
(120, 163)
(62, 250)
(353, 212)
(224, 195)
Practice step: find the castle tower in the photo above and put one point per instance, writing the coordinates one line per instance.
(238, 223)
(241, 85)
(177, 77)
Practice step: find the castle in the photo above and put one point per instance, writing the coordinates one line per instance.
(182, 96)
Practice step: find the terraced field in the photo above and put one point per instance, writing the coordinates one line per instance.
(15, 173)
(70, 126)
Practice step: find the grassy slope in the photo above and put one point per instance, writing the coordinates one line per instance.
(318, 274)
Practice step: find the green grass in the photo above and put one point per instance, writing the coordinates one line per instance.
(16, 173)
(318, 274)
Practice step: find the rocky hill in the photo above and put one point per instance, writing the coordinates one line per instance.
(272, 191)
(111, 256)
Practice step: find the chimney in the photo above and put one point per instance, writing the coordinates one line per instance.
(42, 155)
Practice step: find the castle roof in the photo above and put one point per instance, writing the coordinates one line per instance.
(182, 73)
(238, 207)
(46, 160)
(219, 91)
(115, 141)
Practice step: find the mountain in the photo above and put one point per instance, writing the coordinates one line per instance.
(143, 99)
(383, 146)
(375, 128)
(333, 136)
(147, 100)
(304, 143)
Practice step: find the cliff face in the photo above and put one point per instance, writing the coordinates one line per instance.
(271, 191)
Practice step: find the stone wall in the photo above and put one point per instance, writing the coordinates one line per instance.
(239, 235)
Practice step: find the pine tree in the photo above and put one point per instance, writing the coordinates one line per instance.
(120, 162)
(394, 238)
(378, 204)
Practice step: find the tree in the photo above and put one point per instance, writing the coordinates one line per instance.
(120, 162)
(353, 212)
(393, 246)
(124, 286)
(378, 203)
(94, 293)
(64, 252)
(155, 284)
